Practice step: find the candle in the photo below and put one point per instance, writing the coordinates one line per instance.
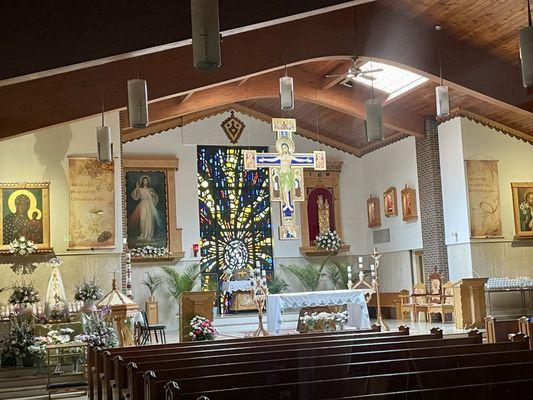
(251, 273)
(349, 269)
(263, 273)
(372, 267)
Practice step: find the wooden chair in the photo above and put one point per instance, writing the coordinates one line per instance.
(444, 303)
(406, 305)
(420, 300)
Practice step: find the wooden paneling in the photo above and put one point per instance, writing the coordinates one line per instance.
(490, 25)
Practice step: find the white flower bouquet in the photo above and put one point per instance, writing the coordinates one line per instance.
(149, 252)
(88, 291)
(22, 247)
(329, 241)
(24, 294)
(202, 329)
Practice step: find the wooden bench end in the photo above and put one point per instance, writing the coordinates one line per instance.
(171, 389)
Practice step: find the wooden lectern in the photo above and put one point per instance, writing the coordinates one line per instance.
(192, 304)
(469, 303)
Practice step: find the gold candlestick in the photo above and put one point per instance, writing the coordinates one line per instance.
(259, 295)
(380, 321)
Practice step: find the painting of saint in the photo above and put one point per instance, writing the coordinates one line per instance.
(409, 208)
(250, 160)
(320, 160)
(523, 209)
(374, 217)
(389, 202)
(275, 185)
(146, 204)
(298, 185)
(24, 212)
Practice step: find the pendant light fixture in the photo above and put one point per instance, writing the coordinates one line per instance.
(138, 103)
(525, 37)
(205, 34)
(286, 91)
(373, 117)
(442, 98)
(103, 140)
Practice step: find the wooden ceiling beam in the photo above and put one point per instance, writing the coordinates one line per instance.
(306, 133)
(307, 88)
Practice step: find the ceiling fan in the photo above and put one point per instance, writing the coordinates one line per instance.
(354, 72)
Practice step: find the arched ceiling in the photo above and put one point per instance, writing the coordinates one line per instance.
(312, 46)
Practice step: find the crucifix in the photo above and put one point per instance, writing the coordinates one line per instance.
(286, 172)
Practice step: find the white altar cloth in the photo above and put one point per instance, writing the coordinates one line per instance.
(234, 286)
(355, 299)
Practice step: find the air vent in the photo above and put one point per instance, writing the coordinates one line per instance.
(381, 236)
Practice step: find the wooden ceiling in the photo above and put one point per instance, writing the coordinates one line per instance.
(489, 25)
(478, 45)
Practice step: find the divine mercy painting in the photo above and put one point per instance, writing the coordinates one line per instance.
(25, 212)
(146, 207)
(523, 209)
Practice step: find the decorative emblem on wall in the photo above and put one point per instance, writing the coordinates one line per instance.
(233, 127)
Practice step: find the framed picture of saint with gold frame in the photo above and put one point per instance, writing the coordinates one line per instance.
(390, 204)
(25, 212)
(409, 208)
(374, 213)
(523, 209)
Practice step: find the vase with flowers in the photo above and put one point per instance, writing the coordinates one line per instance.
(202, 329)
(23, 297)
(89, 292)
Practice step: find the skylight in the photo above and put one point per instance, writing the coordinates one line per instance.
(392, 80)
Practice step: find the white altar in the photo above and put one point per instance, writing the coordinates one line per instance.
(355, 299)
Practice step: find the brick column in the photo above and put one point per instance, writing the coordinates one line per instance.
(431, 207)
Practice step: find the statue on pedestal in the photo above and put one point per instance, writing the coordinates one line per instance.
(323, 215)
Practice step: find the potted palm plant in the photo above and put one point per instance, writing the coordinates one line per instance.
(178, 283)
(152, 283)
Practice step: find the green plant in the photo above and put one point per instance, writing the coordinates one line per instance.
(277, 285)
(308, 275)
(338, 274)
(152, 283)
(179, 283)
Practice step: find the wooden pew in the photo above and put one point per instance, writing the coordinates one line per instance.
(499, 330)
(514, 389)
(213, 378)
(115, 367)
(96, 361)
(361, 352)
(525, 326)
(349, 386)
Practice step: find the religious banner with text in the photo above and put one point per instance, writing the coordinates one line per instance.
(484, 198)
(92, 204)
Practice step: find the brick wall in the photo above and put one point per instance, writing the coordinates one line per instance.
(431, 208)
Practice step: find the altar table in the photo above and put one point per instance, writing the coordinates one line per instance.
(355, 299)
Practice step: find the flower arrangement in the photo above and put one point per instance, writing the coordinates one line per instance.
(329, 240)
(88, 291)
(98, 331)
(149, 251)
(324, 320)
(202, 329)
(24, 294)
(22, 247)
(20, 339)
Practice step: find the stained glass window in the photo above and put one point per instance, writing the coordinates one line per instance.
(235, 225)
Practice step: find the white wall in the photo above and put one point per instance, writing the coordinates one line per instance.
(461, 139)
(41, 156)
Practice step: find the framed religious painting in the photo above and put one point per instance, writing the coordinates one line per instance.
(390, 205)
(25, 212)
(149, 198)
(374, 214)
(409, 209)
(523, 209)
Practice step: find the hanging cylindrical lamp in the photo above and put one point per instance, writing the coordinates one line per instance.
(525, 37)
(373, 120)
(286, 92)
(104, 144)
(442, 98)
(205, 34)
(138, 103)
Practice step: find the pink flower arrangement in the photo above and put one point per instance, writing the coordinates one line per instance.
(202, 329)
